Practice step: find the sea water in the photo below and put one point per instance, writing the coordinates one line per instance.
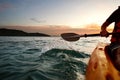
(45, 58)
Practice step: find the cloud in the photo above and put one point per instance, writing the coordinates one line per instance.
(37, 21)
(6, 5)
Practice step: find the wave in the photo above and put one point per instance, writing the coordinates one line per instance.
(54, 64)
(62, 64)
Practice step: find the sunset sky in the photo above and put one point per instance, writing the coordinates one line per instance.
(49, 15)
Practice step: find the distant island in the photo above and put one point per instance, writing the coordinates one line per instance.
(13, 32)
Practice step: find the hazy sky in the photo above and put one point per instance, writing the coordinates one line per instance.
(55, 12)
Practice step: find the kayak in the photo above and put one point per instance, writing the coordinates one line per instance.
(100, 66)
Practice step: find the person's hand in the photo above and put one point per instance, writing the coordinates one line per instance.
(104, 33)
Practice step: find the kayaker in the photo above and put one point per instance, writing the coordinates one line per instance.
(114, 47)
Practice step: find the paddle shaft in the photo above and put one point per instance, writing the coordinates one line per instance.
(91, 35)
(75, 37)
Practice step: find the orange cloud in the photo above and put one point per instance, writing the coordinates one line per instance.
(55, 30)
(92, 26)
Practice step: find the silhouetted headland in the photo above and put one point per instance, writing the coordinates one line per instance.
(12, 32)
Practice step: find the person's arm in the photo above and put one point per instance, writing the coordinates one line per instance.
(104, 26)
(104, 31)
(110, 19)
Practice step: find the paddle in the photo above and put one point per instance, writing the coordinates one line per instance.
(75, 37)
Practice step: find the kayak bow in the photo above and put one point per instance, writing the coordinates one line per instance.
(100, 66)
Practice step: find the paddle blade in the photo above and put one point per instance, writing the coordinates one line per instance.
(70, 36)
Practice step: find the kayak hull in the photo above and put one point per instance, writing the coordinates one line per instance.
(100, 66)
